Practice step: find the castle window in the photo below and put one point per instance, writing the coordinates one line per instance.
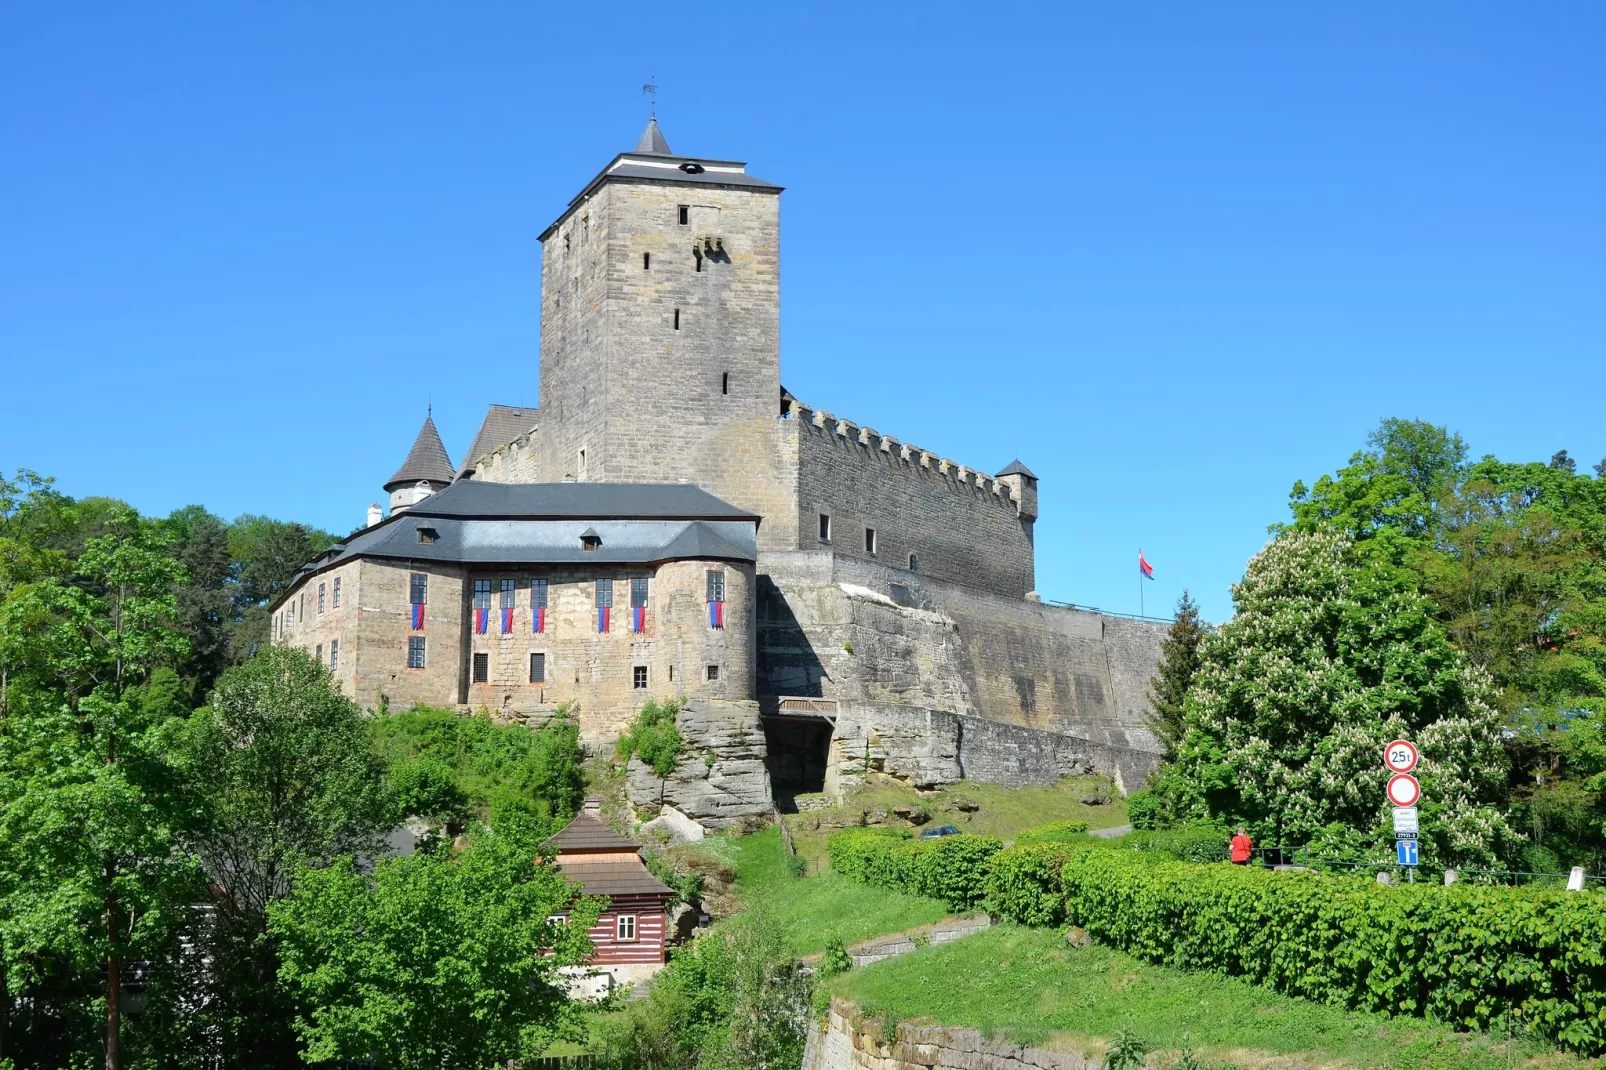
(646, 261)
(638, 591)
(334, 654)
(337, 593)
(582, 464)
(427, 536)
(537, 668)
(677, 319)
(914, 563)
(684, 214)
(604, 594)
(317, 653)
(482, 668)
(825, 527)
(508, 587)
(725, 383)
(585, 228)
(716, 585)
(869, 541)
(290, 614)
(713, 672)
(320, 598)
(482, 594)
(538, 594)
(590, 541)
(565, 244)
(638, 677)
(420, 589)
(415, 651)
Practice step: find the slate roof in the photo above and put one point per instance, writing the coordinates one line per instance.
(652, 140)
(592, 501)
(502, 424)
(614, 878)
(1015, 468)
(426, 460)
(587, 833)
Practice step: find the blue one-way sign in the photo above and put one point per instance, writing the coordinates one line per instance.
(1406, 849)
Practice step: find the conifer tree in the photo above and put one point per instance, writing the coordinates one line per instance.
(1179, 660)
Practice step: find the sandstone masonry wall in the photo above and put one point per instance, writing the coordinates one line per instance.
(849, 1040)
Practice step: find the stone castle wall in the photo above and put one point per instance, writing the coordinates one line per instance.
(516, 462)
(953, 522)
(850, 1040)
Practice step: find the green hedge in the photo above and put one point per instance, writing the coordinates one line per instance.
(952, 868)
(1054, 832)
(1198, 843)
(1023, 883)
(1463, 954)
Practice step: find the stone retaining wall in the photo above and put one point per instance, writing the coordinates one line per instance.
(848, 1040)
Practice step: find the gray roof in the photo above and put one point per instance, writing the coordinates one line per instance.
(614, 878)
(588, 833)
(427, 460)
(1015, 468)
(472, 498)
(652, 140)
(502, 424)
(541, 523)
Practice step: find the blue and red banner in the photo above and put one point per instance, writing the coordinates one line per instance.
(482, 618)
(716, 614)
(507, 620)
(638, 618)
(538, 618)
(418, 616)
(1144, 566)
(602, 618)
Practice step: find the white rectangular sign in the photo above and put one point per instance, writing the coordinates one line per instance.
(1404, 819)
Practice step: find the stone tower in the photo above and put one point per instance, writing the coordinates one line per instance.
(426, 470)
(660, 331)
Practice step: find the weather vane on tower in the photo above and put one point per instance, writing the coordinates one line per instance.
(652, 94)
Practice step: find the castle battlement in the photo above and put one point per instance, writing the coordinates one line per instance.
(911, 456)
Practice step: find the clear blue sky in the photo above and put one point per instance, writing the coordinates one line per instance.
(1175, 256)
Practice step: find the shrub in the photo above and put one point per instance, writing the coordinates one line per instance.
(835, 960)
(1054, 832)
(1195, 843)
(425, 786)
(1463, 954)
(1145, 810)
(653, 737)
(953, 868)
(1023, 883)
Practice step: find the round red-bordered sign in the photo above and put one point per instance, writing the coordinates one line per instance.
(1400, 756)
(1404, 790)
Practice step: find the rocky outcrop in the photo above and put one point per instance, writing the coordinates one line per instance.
(721, 777)
(848, 1040)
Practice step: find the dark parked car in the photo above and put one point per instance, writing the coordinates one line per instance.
(940, 830)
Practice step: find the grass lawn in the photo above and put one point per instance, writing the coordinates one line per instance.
(1028, 986)
(1001, 812)
(822, 906)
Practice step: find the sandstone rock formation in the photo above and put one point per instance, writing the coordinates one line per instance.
(721, 777)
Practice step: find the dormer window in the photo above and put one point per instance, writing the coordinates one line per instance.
(590, 541)
(692, 168)
(428, 536)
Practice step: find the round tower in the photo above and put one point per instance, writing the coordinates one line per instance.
(426, 470)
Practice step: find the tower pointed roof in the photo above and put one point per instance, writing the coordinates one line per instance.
(427, 460)
(1015, 468)
(652, 141)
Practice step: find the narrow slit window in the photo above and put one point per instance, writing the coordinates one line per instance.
(869, 541)
(684, 214)
(677, 319)
(334, 654)
(646, 261)
(914, 563)
(482, 668)
(825, 527)
(725, 382)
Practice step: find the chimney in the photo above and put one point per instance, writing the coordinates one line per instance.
(375, 514)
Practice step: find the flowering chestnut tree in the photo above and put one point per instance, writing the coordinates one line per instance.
(1328, 658)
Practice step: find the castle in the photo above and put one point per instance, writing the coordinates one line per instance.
(875, 603)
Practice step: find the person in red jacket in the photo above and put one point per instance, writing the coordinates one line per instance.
(1242, 845)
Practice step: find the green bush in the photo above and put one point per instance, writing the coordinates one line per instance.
(1145, 810)
(1054, 832)
(1463, 954)
(952, 869)
(1023, 883)
(653, 737)
(1195, 843)
(426, 786)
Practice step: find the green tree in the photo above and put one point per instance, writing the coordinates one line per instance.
(1179, 660)
(437, 959)
(266, 555)
(1330, 656)
(204, 607)
(654, 738)
(281, 775)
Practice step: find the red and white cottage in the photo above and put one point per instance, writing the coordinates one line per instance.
(631, 936)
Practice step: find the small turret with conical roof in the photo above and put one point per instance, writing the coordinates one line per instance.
(426, 470)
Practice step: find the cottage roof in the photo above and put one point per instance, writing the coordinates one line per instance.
(502, 424)
(1015, 468)
(427, 460)
(587, 833)
(614, 878)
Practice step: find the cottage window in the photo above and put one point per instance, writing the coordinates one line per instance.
(638, 677)
(482, 594)
(625, 927)
(557, 919)
(482, 668)
(334, 654)
(415, 651)
(337, 593)
(419, 594)
(537, 668)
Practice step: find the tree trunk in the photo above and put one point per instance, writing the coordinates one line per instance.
(114, 1056)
